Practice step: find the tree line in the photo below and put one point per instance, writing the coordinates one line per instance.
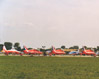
(10, 45)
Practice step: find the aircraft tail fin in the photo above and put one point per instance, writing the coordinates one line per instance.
(53, 48)
(25, 48)
(4, 48)
(84, 48)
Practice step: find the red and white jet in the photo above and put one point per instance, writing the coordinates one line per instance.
(7, 52)
(56, 52)
(32, 51)
(88, 52)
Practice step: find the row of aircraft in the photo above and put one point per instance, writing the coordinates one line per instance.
(25, 51)
(53, 52)
(84, 52)
(32, 51)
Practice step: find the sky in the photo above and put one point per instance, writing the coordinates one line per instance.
(37, 23)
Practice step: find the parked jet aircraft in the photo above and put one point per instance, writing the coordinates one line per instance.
(97, 53)
(33, 51)
(56, 52)
(74, 53)
(7, 52)
(88, 52)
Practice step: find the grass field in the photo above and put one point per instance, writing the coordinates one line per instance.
(48, 68)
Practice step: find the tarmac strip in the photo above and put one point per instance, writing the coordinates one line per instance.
(51, 56)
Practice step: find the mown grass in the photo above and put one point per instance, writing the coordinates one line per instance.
(48, 68)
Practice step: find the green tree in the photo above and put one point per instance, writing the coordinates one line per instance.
(16, 44)
(1, 47)
(8, 45)
(97, 48)
(76, 47)
(19, 49)
(85, 47)
(71, 48)
(30, 48)
(63, 47)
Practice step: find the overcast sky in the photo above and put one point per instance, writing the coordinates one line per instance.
(35, 23)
